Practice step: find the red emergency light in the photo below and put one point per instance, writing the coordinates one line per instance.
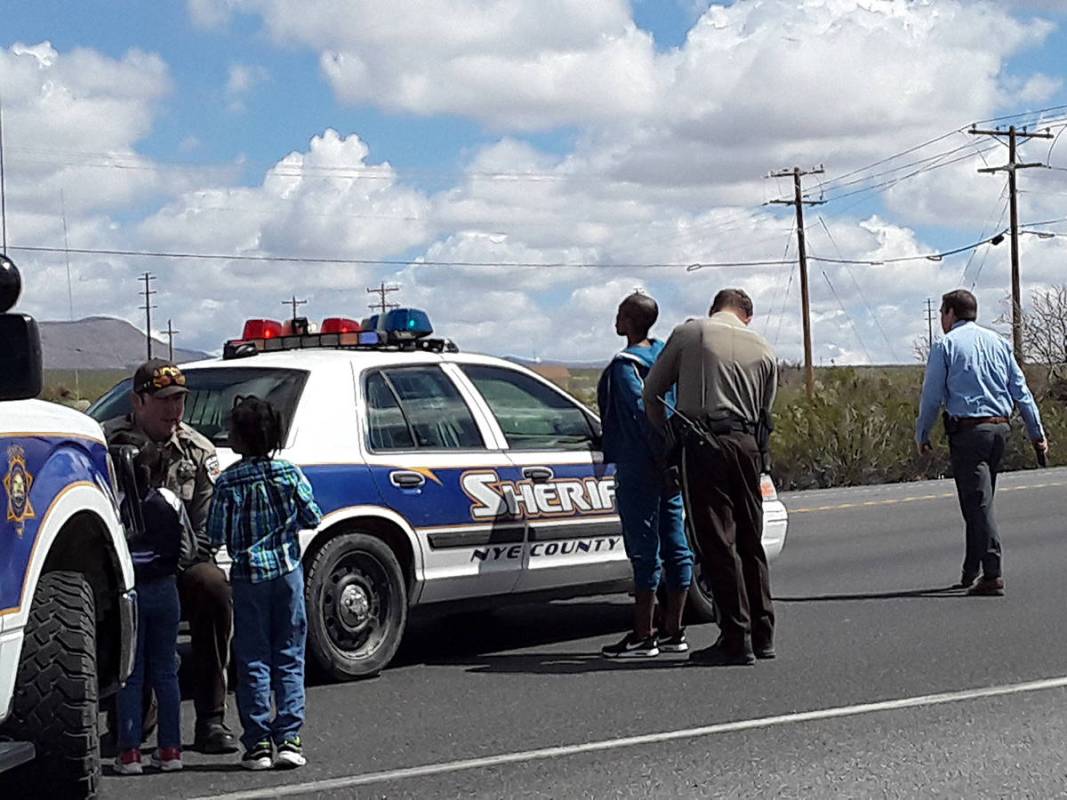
(340, 325)
(261, 329)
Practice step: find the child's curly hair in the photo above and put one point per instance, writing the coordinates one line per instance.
(255, 427)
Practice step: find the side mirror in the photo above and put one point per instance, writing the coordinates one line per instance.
(20, 357)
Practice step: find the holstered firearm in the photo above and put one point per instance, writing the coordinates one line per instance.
(764, 429)
(680, 431)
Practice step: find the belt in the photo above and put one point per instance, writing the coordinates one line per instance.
(730, 425)
(966, 423)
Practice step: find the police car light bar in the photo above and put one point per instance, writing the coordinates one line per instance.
(398, 329)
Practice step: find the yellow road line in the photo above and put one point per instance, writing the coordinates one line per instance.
(917, 498)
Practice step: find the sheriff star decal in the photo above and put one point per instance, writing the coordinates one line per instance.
(17, 483)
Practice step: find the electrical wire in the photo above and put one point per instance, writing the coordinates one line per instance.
(848, 317)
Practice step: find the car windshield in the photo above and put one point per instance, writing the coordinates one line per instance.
(211, 397)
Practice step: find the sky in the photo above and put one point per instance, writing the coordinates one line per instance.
(518, 168)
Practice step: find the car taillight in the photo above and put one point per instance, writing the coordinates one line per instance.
(766, 486)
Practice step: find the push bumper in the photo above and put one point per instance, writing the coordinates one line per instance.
(13, 754)
(128, 621)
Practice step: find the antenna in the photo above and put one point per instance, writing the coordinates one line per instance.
(70, 287)
(3, 186)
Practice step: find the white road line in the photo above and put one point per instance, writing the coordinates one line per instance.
(333, 784)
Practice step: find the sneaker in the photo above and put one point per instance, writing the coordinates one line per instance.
(128, 762)
(632, 647)
(167, 759)
(290, 754)
(675, 644)
(259, 757)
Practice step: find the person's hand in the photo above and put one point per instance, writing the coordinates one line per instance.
(922, 448)
(1041, 444)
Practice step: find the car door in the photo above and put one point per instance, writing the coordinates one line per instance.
(434, 460)
(564, 490)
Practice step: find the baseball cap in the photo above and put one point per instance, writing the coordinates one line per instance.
(159, 378)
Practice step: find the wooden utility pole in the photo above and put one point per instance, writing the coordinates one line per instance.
(383, 292)
(798, 202)
(148, 277)
(171, 333)
(292, 301)
(1013, 198)
(929, 325)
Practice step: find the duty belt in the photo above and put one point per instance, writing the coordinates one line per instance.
(729, 425)
(966, 423)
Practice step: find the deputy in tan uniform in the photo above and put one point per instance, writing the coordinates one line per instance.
(727, 376)
(182, 460)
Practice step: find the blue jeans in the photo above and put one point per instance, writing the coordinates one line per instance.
(158, 612)
(653, 529)
(270, 631)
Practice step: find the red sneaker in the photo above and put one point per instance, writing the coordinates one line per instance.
(128, 762)
(167, 759)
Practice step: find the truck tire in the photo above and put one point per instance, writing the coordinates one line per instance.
(699, 605)
(357, 606)
(55, 704)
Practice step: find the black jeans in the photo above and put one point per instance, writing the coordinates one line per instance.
(724, 505)
(207, 604)
(976, 454)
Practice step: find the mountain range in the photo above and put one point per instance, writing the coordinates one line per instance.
(101, 343)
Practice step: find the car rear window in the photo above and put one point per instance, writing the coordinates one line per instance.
(212, 393)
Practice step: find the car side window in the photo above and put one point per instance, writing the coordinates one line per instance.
(532, 416)
(418, 408)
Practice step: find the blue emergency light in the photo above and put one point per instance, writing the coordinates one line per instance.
(405, 323)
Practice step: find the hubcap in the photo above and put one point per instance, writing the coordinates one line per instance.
(354, 606)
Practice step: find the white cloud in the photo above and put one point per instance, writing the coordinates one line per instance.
(240, 80)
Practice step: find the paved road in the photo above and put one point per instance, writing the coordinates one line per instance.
(914, 690)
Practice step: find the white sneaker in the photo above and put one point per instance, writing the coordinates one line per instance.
(290, 754)
(258, 758)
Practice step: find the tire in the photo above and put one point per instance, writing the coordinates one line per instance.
(357, 606)
(56, 704)
(699, 605)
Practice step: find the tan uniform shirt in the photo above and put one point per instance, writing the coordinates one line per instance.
(186, 464)
(721, 368)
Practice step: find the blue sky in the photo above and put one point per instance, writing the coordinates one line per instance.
(600, 131)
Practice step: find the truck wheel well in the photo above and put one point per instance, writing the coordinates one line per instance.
(84, 545)
(383, 529)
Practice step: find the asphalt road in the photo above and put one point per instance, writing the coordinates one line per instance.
(886, 684)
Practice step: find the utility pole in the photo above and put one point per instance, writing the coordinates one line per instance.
(171, 333)
(929, 325)
(383, 291)
(1011, 167)
(798, 202)
(292, 301)
(148, 277)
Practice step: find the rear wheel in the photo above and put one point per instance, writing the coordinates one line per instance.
(55, 704)
(357, 606)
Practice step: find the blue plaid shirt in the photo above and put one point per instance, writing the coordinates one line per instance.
(260, 506)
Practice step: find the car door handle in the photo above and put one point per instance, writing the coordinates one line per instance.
(537, 474)
(405, 479)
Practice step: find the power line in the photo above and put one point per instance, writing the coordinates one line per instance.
(848, 317)
(398, 262)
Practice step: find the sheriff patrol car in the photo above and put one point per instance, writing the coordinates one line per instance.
(67, 611)
(444, 477)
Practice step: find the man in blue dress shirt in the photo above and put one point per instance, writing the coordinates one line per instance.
(973, 375)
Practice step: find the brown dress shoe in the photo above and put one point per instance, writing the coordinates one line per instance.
(987, 587)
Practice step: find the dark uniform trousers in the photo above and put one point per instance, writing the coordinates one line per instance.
(976, 454)
(207, 605)
(724, 504)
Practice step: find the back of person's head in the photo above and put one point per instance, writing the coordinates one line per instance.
(641, 309)
(255, 428)
(732, 299)
(962, 303)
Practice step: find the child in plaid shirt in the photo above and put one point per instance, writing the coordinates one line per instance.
(261, 503)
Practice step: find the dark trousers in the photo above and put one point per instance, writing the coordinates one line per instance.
(724, 505)
(976, 454)
(207, 605)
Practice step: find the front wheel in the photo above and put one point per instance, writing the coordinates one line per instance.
(357, 606)
(55, 704)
